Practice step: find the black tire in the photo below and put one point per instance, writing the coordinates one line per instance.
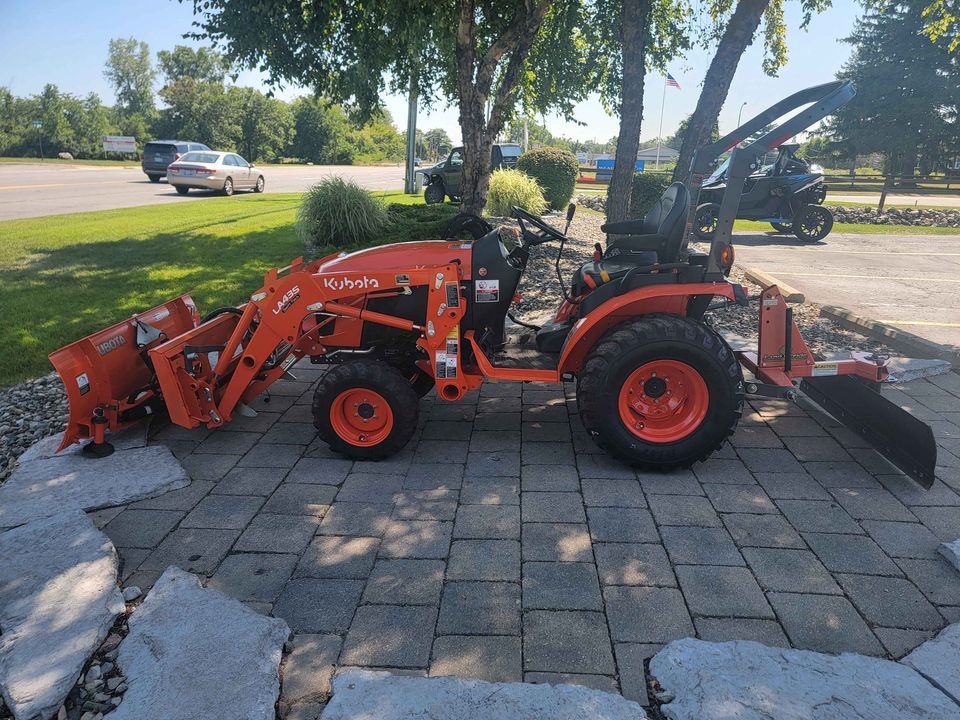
(154, 178)
(634, 343)
(434, 194)
(181, 190)
(783, 227)
(260, 185)
(385, 381)
(813, 223)
(228, 187)
(705, 221)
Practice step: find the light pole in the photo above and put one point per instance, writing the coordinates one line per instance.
(38, 124)
(741, 112)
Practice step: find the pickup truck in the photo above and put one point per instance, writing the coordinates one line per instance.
(442, 181)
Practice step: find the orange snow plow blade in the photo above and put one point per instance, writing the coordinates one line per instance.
(108, 376)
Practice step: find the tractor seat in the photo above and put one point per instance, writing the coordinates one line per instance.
(593, 274)
(660, 230)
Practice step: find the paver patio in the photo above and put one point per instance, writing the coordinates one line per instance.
(503, 544)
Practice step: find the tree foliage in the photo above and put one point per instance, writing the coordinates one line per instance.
(942, 22)
(131, 74)
(907, 104)
(437, 143)
(200, 64)
(479, 53)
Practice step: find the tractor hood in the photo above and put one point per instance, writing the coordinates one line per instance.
(403, 257)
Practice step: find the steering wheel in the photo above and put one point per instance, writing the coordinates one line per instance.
(546, 231)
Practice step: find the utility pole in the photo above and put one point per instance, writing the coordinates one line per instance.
(663, 103)
(409, 182)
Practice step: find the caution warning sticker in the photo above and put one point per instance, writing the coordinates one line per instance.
(822, 369)
(488, 291)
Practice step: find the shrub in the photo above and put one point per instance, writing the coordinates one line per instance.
(555, 169)
(416, 222)
(339, 213)
(512, 187)
(646, 190)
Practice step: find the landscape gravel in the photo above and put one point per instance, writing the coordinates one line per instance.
(37, 408)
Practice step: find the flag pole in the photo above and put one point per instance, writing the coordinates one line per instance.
(663, 102)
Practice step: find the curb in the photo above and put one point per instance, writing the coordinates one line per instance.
(903, 341)
(765, 280)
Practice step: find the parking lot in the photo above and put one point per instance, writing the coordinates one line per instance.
(909, 281)
(35, 189)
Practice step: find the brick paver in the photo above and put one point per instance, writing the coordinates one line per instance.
(503, 544)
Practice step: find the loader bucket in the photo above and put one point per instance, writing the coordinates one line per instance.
(901, 438)
(107, 374)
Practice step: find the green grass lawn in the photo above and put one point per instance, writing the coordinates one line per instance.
(65, 276)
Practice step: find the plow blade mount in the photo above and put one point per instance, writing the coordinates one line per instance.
(108, 376)
(896, 434)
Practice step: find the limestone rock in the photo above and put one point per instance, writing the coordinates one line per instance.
(46, 448)
(938, 660)
(43, 487)
(951, 551)
(750, 681)
(196, 653)
(362, 694)
(58, 600)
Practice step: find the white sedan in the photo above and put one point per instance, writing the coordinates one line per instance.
(209, 170)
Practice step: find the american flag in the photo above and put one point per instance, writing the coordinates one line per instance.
(672, 82)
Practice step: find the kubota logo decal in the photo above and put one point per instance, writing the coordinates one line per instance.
(345, 283)
(111, 344)
(288, 299)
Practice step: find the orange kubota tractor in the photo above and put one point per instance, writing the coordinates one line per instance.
(657, 386)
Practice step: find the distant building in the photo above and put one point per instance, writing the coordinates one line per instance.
(649, 155)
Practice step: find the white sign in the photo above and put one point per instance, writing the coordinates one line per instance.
(119, 143)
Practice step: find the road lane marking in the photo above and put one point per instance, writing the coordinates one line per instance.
(850, 252)
(27, 187)
(920, 322)
(866, 277)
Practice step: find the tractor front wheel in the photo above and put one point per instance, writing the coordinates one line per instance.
(660, 392)
(365, 409)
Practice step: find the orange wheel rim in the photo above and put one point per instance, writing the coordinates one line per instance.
(663, 401)
(361, 417)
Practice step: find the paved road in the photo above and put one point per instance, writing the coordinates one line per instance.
(32, 190)
(910, 281)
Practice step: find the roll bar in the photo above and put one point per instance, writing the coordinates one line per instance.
(743, 161)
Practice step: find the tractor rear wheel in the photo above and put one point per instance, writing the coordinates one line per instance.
(660, 392)
(365, 409)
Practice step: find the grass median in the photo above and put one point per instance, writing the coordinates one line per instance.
(66, 276)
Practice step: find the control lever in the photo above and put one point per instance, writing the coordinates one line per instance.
(571, 209)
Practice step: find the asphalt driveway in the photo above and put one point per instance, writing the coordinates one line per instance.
(909, 281)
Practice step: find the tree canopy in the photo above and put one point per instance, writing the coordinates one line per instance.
(908, 99)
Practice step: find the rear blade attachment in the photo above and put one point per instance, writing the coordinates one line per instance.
(904, 440)
(108, 376)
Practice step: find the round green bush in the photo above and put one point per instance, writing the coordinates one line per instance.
(512, 187)
(646, 190)
(555, 169)
(339, 213)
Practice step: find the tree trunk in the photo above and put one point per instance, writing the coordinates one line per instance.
(634, 17)
(737, 36)
(475, 84)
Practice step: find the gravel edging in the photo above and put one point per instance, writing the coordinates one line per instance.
(29, 412)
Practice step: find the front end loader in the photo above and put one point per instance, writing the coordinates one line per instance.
(657, 386)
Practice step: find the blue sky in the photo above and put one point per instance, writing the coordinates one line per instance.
(65, 42)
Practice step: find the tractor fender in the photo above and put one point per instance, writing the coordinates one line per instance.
(670, 299)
